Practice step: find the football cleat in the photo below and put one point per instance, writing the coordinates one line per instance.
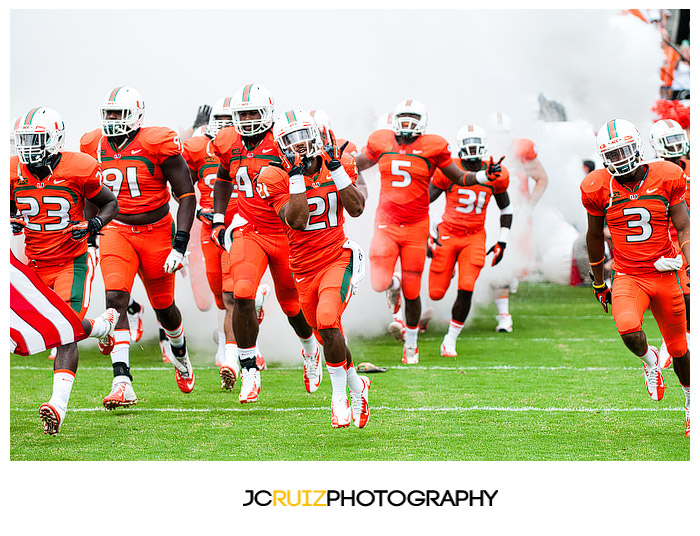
(653, 378)
(250, 385)
(447, 348)
(52, 418)
(313, 371)
(184, 373)
(505, 323)
(228, 377)
(397, 328)
(410, 355)
(359, 404)
(122, 394)
(665, 359)
(341, 414)
(425, 319)
(687, 422)
(260, 360)
(393, 296)
(105, 344)
(260, 298)
(165, 351)
(135, 324)
(52, 354)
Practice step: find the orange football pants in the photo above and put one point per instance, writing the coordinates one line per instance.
(251, 253)
(468, 251)
(391, 242)
(632, 295)
(71, 280)
(325, 294)
(143, 249)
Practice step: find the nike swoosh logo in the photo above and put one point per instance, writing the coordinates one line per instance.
(416, 151)
(135, 151)
(57, 181)
(266, 150)
(299, 280)
(445, 237)
(650, 190)
(380, 226)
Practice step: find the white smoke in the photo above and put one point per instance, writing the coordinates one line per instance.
(462, 64)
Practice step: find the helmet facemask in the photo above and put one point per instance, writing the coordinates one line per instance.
(408, 125)
(622, 160)
(35, 146)
(129, 120)
(305, 141)
(474, 148)
(251, 127)
(673, 145)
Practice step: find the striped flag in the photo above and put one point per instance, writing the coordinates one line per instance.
(39, 318)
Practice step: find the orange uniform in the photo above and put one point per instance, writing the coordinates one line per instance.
(638, 221)
(134, 175)
(202, 160)
(525, 151)
(321, 266)
(685, 282)
(461, 233)
(262, 241)
(48, 206)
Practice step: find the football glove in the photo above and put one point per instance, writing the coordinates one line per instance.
(687, 272)
(497, 249)
(176, 258)
(331, 152)
(202, 118)
(602, 293)
(80, 230)
(18, 225)
(218, 231)
(292, 162)
(205, 215)
(493, 169)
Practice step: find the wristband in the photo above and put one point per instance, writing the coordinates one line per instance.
(481, 177)
(297, 184)
(598, 287)
(180, 241)
(684, 243)
(218, 218)
(507, 210)
(596, 263)
(341, 178)
(503, 234)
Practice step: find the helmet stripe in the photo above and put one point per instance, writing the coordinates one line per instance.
(113, 95)
(227, 102)
(408, 102)
(291, 116)
(612, 130)
(30, 116)
(246, 92)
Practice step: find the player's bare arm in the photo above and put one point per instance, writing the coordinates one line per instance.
(680, 218)
(361, 185)
(177, 173)
(469, 178)
(363, 161)
(434, 192)
(223, 188)
(295, 213)
(353, 200)
(595, 242)
(535, 170)
(106, 205)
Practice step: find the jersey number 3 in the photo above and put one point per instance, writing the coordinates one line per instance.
(643, 223)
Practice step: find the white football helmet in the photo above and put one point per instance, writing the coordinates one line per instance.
(669, 139)
(221, 116)
(13, 147)
(323, 122)
(39, 134)
(471, 142)
(385, 121)
(499, 121)
(252, 97)
(410, 118)
(130, 104)
(297, 131)
(619, 146)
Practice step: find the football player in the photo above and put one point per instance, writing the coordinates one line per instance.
(310, 195)
(407, 158)
(258, 238)
(670, 142)
(138, 164)
(460, 238)
(49, 188)
(526, 168)
(637, 199)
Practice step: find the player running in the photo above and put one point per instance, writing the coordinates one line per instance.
(407, 158)
(138, 164)
(637, 199)
(460, 238)
(310, 196)
(258, 239)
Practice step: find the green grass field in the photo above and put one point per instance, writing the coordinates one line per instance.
(560, 387)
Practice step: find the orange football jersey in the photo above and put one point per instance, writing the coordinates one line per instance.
(637, 218)
(322, 240)
(244, 166)
(405, 174)
(133, 172)
(465, 206)
(201, 158)
(47, 206)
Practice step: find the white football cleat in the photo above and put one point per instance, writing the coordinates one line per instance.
(250, 385)
(397, 328)
(340, 412)
(653, 379)
(184, 373)
(687, 422)
(448, 348)
(228, 377)
(260, 360)
(122, 394)
(505, 323)
(105, 344)
(359, 403)
(53, 417)
(52, 354)
(410, 355)
(260, 299)
(313, 371)
(393, 296)
(135, 324)
(665, 359)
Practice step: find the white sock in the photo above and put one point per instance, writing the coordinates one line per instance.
(395, 283)
(62, 384)
(222, 341)
(649, 358)
(686, 391)
(231, 355)
(176, 336)
(501, 305)
(309, 345)
(453, 331)
(687, 337)
(100, 327)
(354, 381)
(339, 378)
(247, 356)
(122, 342)
(411, 336)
